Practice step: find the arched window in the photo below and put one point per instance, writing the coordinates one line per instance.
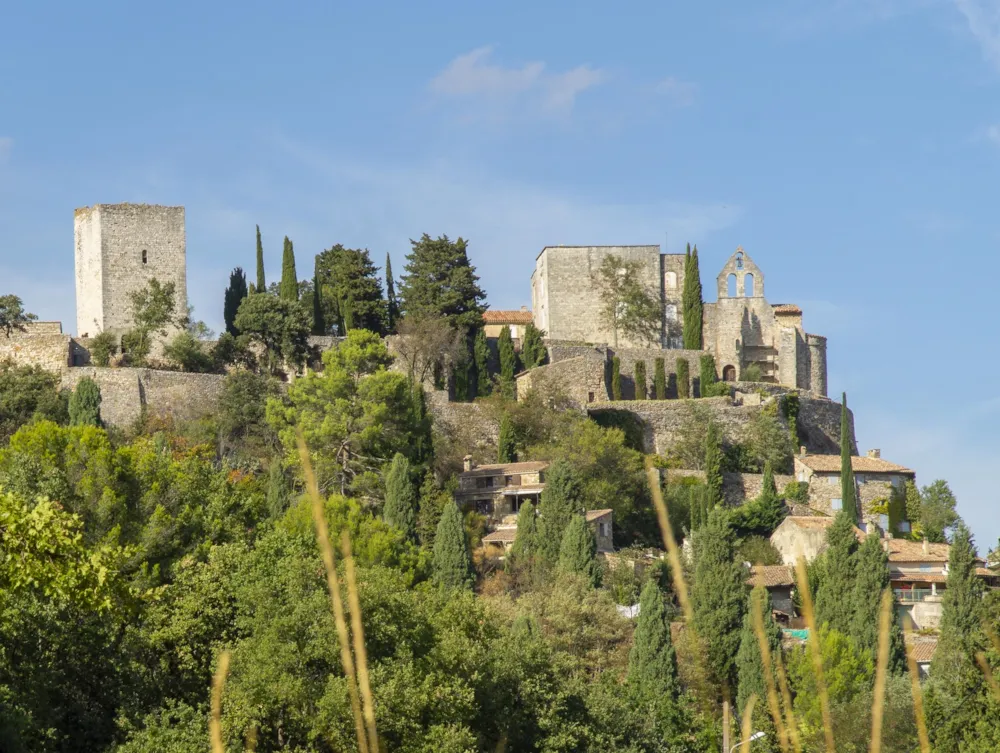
(143, 256)
(670, 280)
(748, 285)
(729, 374)
(731, 286)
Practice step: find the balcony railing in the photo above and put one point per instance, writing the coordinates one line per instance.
(912, 595)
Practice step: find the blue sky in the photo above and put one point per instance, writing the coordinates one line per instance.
(852, 147)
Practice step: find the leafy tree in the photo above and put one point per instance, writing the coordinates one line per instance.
(13, 315)
(319, 318)
(937, 511)
(27, 392)
(352, 289)
(525, 547)
(768, 442)
(153, 309)
(241, 418)
(280, 326)
(578, 551)
(616, 378)
(848, 489)
(481, 355)
(790, 406)
(400, 508)
(289, 289)
(508, 362)
(432, 503)
(713, 464)
(506, 445)
(750, 665)
(452, 562)
(533, 352)
(391, 304)
(261, 282)
(102, 347)
(440, 281)
(627, 308)
(691, 301)
(234, 296)
(683, 379)
(639, 376)
(763, 514)
(838, 573)
(354, 416)
(85, 404)
(426, 342)
(560, 501)
(710, 385)
(872, 579)
(187, 351)
(659, 379)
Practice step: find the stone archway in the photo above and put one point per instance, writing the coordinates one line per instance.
(729, 374)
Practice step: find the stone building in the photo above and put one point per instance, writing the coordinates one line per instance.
(874, 477)
(119, 248)
(501, 539)
(499, 489)
(496, 320)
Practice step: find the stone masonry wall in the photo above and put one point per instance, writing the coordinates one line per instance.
(42, 344)
(582, 378)
(629, 356)
(738, 488)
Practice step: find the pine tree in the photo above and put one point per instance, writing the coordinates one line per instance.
(659, 379)
(533, 352)
(261, 282)
(578, 551)
(392, 305)
(506, 444)
(481, 354)
(639, 375)
(839, 569)
(525, 544)
(713, 464)
(616, 378)
(560, 501)
(750, 665)
(691, 301)
(683, 379)
(352, 289)
(289, 289)
(319, 321)
(234, 296)
(452, 562)
(85, 404)
(400, 509)
(848, 491)
(508, 362)
(871, 580)
(439, 280)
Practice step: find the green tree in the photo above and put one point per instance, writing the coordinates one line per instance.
(278, 493)
(12, 315)
(578, 551)
(508, 363)
(639, 376)
(352, 289)
(871, 580)
(153, 309)
(691, 301)
(750, 665)
(319, 318)
(391, 304)
(710, 385)
(440, 281)
(241, 419)
(763, 514)
(533, 352)
(452, 562)
(713, 464)
(616, 378)
(659, 379)
(85, 404)
(937, 511)
(400, 508)
(506, 444)
(683, 379)
(261, 282)
(525, 547)
(188, 352)
(234, 296)
(560, 501)
(102, 348)
(481, 354)
(289, 289)
(27, 392)
(768, 442)
(848, 489)
(838, 573)
(627, 308)
(279, 325)
(913, 504)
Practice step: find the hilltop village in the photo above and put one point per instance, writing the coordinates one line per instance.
(523, 437)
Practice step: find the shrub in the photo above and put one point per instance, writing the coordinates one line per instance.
(616, 378)
(85, 404)
(188, 353)
(102, 348)
(797, 491)
(751, 373)
(639, 377)
(135, 347)
(683, 379)
(660, 380)
(707, 374)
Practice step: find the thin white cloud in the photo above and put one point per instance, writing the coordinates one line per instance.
(474, 76)
(680, 93)
(983, 20)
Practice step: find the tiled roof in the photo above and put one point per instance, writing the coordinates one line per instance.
(495, 316)
(593, 515)
(902, 550)
(923, 651)
(503, 535)
(771, 576)
(504, 469)
(918, 577)
(831, 464)
(786, 308)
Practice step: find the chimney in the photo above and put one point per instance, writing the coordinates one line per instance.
(874, 453)
(467, 463)
(802, 450)
(927, 549)
(524, 308)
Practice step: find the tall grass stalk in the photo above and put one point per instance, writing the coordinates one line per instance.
(765, 657)
(746, 729)
(918, 701)
(984, 665)
(881, 670)
(809, 613)
(218, 685)
(673, 553)
(358, 633)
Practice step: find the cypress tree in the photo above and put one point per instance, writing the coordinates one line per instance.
(277, 490)
(640, 380)
(508, 362)
(848, 495)
(392, 305)
(506, 445)
(319, 322)
(400, 509)
(652, 663)
(289, 289)
(85, 404)
(707, 375)
(713, 464)
(691, 301)
(659, 379)
(261, 282)
(232, 299)
(839, 569)
(750, 664)
(481, 354)
(771, 507)
(616, 378)
(452, 561)
(533, 351)
(560, 501)
(683, 379)
(526, 539)
(578, 551)
(432, 502)
(866, 599)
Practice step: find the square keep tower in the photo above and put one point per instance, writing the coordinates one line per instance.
(119, 249)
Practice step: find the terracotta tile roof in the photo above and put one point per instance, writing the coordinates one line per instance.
(786, 308)
(771, 576)
(902, 550)
(923, 651)
(918, 577)
(504, 469)
(495, 316)
(831, 464)
(593, 515)
(503, 535)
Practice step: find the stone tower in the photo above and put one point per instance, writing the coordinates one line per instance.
(119, 248)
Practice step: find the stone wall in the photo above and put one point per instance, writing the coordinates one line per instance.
(40, 344)
(125, 391)
(630, 356)
(582, 379)
(462, 428)
(738, 488)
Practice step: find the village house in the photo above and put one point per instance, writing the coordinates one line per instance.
(779, 580)
(495, 321)
(499, 489)
(502, 538)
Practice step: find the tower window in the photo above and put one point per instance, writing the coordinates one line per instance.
(143, 256)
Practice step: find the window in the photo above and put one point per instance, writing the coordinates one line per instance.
(925, 568)
(670, 280)
(748, 285)
(904, 526)
(670, 312)
(731, 286)
(590, 397)
(836, 503)
(883, 522)
(859, 478)
(143, 256)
